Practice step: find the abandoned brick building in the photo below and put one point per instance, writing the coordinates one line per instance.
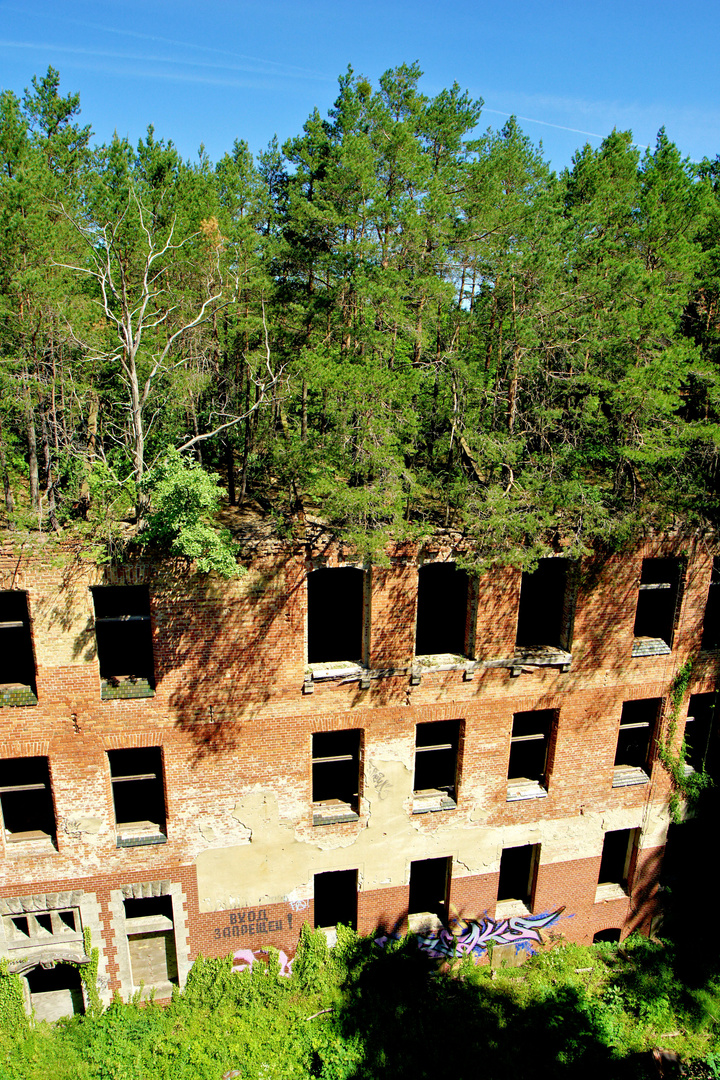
(193, 766)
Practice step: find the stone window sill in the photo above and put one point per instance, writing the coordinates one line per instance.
(337, 671)
(433, 663)
(139, 834)
(333, 812)
(126, 689)
(650, 646)
(521, 788)
(424, 922)
(629, 776)
(533, 657)
(148, 924)
(30, 843)
(505, 908)
(431, 800)
(612, 890)
(17, 695)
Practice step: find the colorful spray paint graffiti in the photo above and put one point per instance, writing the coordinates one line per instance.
(245, 958)
(471, 937)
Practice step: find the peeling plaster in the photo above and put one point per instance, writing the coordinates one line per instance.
(284, 853)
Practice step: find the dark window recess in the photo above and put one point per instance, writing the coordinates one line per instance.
(634, 744)
(615, 862)
(429, 887)
(529, 745)
(441, 610)
(611, 934)
(335, 615)
(517, 873)
(17, 663)
(657, 602)
(26, 799)
(335, 896)
(711, 623)
(335, 776)
(55, 991)
(542, 616)
(124, 637)
(138, 796)
(698, 732)
(436, 765)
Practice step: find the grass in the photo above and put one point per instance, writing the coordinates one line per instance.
(364, 1013)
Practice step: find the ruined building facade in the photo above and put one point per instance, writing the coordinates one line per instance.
(197, 766)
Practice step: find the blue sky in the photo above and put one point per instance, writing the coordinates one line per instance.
(212, 71)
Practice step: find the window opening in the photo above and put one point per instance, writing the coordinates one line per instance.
(442, 608)
(615, 862)
(55, 991)
(335, 776)
(124, 640)
(634, 743)
(42, 928)
(656, 607)
(542, 616)
(611, 934)
(151, 943)
(335, 615)
(429, 888)
(529, 743)
(517, 875)
(17, 662)
(138, 796)
(335, 896)
(698, 732)
(436, 766)
(711, 622)
(26, 800)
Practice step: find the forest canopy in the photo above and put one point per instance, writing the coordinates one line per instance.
(391, 322)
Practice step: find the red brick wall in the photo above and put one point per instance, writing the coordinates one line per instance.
(231, 716)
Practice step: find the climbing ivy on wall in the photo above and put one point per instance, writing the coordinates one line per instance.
(674, 760)
(12, 1004)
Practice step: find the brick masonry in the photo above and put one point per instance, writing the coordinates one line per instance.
(234, 719)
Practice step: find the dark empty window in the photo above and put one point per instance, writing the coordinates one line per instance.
(124, 638)
(698, 731)
(711, 623)
(335, 776)
(41, 928)
(611, 934)
(615, 862)
(26, 799)
(17, 663)
(55, 991)
(335, 615)
(138, 795)
(441, 609)
(429, 886)
(656, 606)
(634, 744)
(542, 615)
(529, 747)
(517, 874)
(436, 765)
(335, 896)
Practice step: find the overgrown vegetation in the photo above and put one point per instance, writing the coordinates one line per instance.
(392, 321)
(686, 788)
(366, 1013)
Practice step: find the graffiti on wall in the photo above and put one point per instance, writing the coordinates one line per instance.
(244, 959)
(471, 937)
(251, 921)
